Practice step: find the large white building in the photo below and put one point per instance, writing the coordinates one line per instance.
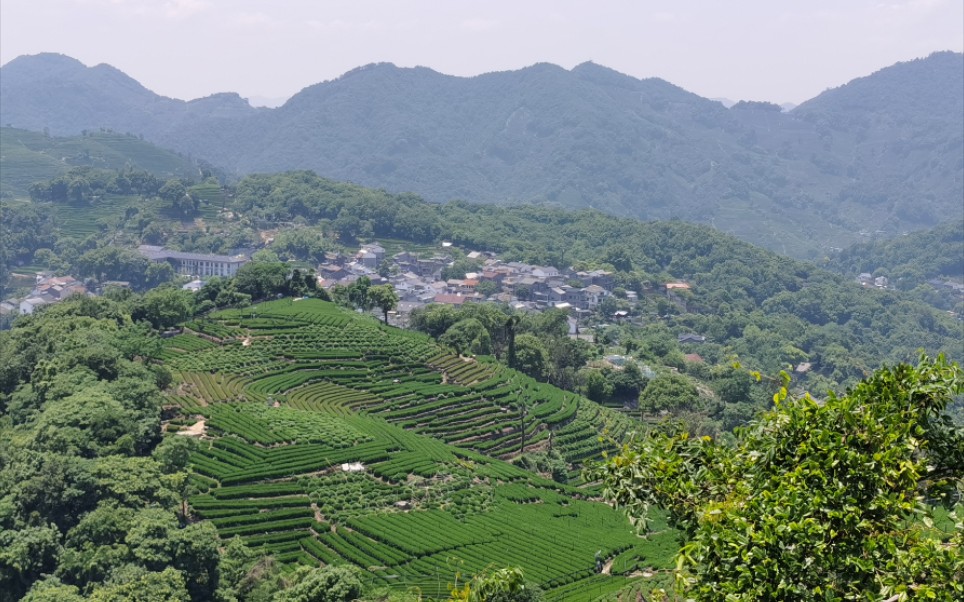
(195, 264)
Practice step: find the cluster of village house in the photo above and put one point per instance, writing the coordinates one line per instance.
(418, 282)
(417, 279)
(47, 289)
(870, 281)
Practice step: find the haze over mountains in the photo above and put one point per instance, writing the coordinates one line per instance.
(884, 152)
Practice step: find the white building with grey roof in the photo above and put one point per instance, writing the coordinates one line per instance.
(195, 264)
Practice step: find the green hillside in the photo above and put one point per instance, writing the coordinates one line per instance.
(27, 157)
(929, 264)
(292, 390)
(909, 260)
(283, 445)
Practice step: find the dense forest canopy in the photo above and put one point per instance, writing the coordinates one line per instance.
(91, 495)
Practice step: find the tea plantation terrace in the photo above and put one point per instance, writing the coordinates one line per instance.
(327, 437)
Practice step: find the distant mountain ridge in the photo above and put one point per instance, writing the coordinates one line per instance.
(884, 152)
(63, 95)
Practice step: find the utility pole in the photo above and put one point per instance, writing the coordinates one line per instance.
(523, 410)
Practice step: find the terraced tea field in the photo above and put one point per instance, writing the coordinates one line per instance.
(331, 438)
(27, 157)
(106, 217)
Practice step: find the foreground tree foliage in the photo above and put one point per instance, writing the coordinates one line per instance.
(505, 584)
(329, 584)
(817, 500)
(384, 298)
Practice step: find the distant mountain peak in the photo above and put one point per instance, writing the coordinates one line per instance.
(220, 97)
(110, 75)
(48, 58)
(45, 64)
(593, 66)
(377, 66)
(223, 105)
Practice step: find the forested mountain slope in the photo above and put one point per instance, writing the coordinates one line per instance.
(883, 153)
(929, 263)
(909, 260)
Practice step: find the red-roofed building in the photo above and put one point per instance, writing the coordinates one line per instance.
(456, 300)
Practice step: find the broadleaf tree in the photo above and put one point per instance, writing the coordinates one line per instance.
(818, 499)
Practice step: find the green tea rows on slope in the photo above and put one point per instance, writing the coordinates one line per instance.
(331, 438)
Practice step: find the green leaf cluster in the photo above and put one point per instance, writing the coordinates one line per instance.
(818, 499)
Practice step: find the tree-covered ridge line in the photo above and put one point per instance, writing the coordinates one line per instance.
(881, 153)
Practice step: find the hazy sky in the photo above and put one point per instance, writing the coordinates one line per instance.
(776, 50)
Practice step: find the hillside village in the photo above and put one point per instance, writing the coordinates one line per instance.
(48, 289)
(422, 278)
(419, 279)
